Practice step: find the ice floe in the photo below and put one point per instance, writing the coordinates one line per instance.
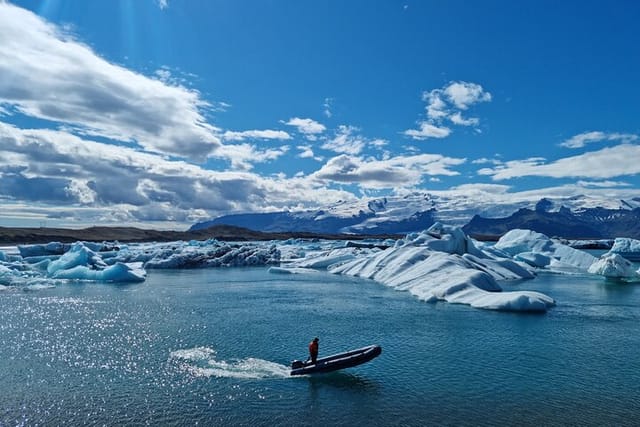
(615, 266)
(104, 262)
(628, 248)
(438, 264)
(538, 250)
(441, 263)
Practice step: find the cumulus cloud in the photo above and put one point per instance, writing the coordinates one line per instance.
(446, 105)
(244, 156)
(606, 163)
(582, 139)
(427, 130)
(346, 141)
(163, 4)
(126, 185)
(401, 171)
(457, 119)
(464, 94)
(306, 152)
(49, 75)
(256, 134)
(308, 127)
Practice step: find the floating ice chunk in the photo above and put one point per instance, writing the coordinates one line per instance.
(51, 248)
(534, 259)
(324, 259)
(291, 270)
(469, 277)
(118, 272)
(78, 255)
(529, 242)
(628, 248)
(214, 255)
(614, 266)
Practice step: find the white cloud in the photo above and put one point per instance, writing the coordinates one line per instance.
(447, 103)
(485, 160)
(378, 143)
(580, 140)
(602, 184)
(308, 127)
(256, 134)
(163, 4)
(327, 107)
(606, 163)
(427, 130)
(457, 119)
(401, 171)
(306, 152)
(49, 75)
(346, 141)
(49, 167)
(436, 107)
(244, 156)
(464, 94)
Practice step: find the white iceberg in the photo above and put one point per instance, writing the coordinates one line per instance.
(628, 248)
(527, 245)
(614, 266)
(118, 272)
(212, 254)
(444, 264)
(78, 255)
(324, 259)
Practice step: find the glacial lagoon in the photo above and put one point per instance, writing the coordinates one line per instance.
(212, 347)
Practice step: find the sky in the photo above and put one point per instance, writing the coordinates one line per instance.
(163, 113)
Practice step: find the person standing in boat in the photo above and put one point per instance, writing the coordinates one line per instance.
(313, 350)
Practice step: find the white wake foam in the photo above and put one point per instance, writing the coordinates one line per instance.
(202, 362)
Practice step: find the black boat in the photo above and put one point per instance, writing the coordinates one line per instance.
(337, 361)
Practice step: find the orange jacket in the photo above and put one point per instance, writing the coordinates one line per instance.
(313, 348)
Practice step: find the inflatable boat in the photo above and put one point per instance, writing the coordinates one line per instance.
(337, 361)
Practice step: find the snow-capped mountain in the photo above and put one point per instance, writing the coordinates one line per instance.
(572, 217)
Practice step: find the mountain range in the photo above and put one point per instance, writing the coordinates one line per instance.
(576, 217)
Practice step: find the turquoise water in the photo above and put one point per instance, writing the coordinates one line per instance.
(211, 347)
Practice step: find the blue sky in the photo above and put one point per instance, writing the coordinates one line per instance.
(163, 113)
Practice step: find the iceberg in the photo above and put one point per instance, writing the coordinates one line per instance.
(78, 255)
(118, 272)
(213, 254)
(628, 248)
(614, 266)
(113, 262)
(540, 251)
(443, 263)
(324, 259)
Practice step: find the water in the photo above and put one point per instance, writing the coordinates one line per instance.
(212, 347)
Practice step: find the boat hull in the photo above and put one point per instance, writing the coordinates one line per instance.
(337, 361)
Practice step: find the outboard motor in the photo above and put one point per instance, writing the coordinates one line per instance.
(297, 364)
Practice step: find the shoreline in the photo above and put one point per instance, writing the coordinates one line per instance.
(26, 235)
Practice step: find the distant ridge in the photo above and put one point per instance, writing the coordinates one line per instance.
(590, 223)
(575, 217)
(13, 236)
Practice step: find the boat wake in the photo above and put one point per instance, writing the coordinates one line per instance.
(202, 362)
